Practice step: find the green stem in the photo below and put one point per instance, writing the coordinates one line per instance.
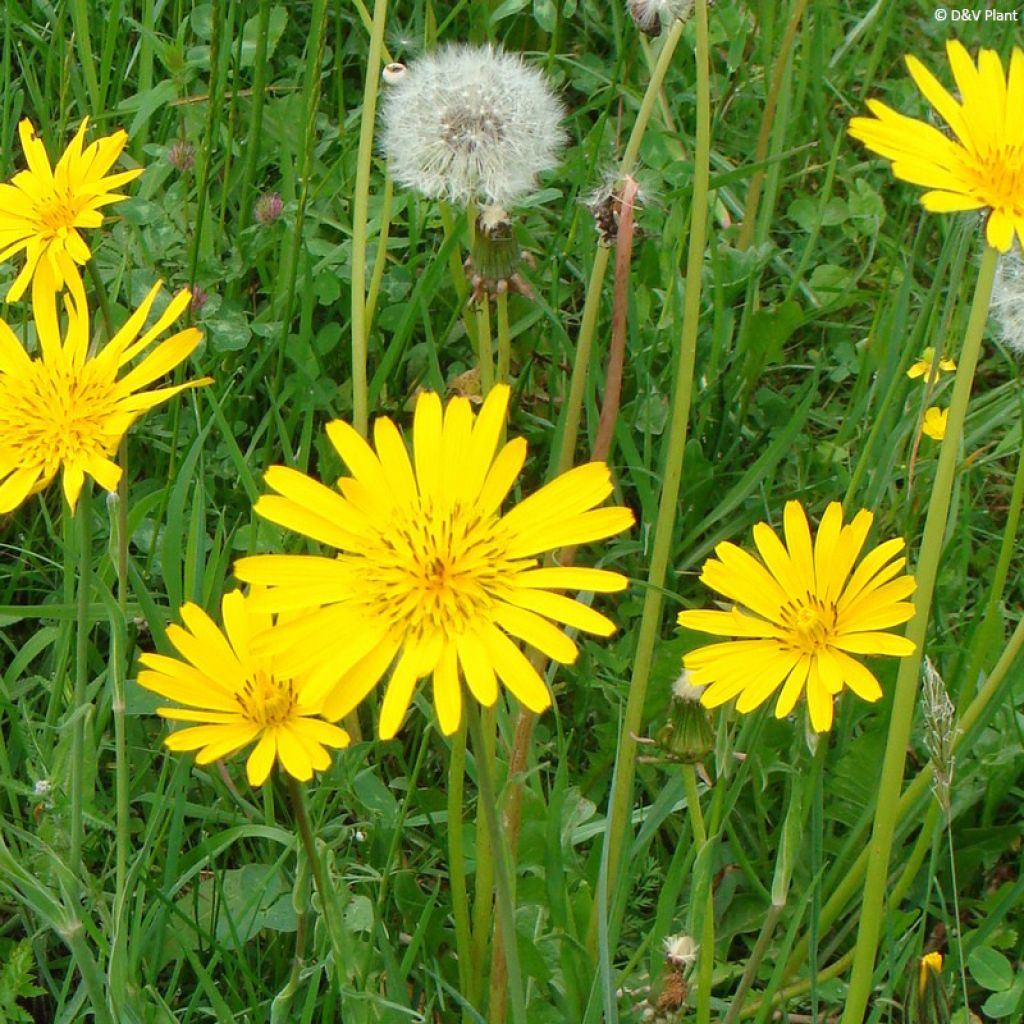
(252, 144)
(483, 896)
(701, 894)
(973, 717)
(118, 668)
(360, 213)
(592, 303)
(506, 909)
(457, 867)
(650, 97)
(504, 339)
(329, 904)
(380, 260)
(768, 120)
(650, 622)
(483, 345)
(78, 712)
(872, 903)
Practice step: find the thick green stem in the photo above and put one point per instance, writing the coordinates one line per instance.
(650, 622)
(504, 339)
(457, 866)
(701, 894)
(483, 342)
(872, 903)
(360, 213)
(487, 801)
(118, 668)
(78, 712)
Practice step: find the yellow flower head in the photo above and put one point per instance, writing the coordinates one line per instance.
(428, 574)
(930, 964)
(238, 695)
(67, 409)
(934, 423)
(42, 208)
(923, 367)
(982, 168)
(800, 612)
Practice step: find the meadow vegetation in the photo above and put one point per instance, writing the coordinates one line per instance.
(314, 494)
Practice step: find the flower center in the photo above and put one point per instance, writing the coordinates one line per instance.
(266, 701)
(57, 213)
(49, 417)
(810, 624)
(999, 178)
(436, 571)
(473, 123)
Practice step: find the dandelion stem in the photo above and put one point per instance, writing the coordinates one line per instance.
(592, 303)
(620, 308)
(78, 711)
(457, 868)
(650, 97)
(872, 903)
(650, 622)
(329, 906)
(504, 339)
(506, 909)
(360, 214)
(118, 653)
(702, 918)
(484, 354)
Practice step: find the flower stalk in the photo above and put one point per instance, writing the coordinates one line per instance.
(872, 903)
(78, 709)
(650, 622)
(360, 215)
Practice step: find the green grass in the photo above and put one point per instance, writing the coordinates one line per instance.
(799, 391)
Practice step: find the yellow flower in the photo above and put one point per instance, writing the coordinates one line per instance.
(43, 207)
(934, 424)
(929, 964)
(428, 574)
(66, 409)
(801, 612)
(982, 168)
(239, 695)
(923, 367)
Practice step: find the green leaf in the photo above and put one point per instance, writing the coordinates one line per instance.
(990, 969)
(1003, 1004)
(275, 28)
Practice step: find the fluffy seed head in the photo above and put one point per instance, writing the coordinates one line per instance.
(1008, 300)
(680, 950)
(650, 15)
(470, 123)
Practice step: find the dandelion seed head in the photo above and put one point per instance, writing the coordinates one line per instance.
(650, 15)
(683, 689)
(470, 123)
(1008, 300)
(680, 950)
